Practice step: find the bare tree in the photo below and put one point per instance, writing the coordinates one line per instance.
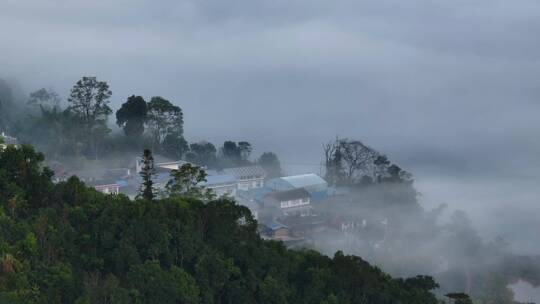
(357, 158)
(332, 162)
(351, 161)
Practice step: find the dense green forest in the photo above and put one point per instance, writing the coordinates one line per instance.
(67, 243)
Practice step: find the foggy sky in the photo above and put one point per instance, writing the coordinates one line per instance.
(449, 89)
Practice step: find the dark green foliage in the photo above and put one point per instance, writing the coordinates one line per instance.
(89, 102)
(185, 182)
(66, 243)
(270, 163)
(147, 173)
(54, 131)
(234, 154)
(231, 153)
(89, 99)
(174, 146)
(132, 115)
(164, 119)
(203, 154)
(459, 298)
(158, 285)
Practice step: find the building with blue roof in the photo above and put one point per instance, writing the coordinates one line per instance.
(313, 183)
(221, 185)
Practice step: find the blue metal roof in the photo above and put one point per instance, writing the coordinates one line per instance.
(213, 180)
(274, 225)
(304, 180)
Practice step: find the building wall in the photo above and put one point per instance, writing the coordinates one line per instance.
(248, 184)
(295, 203)
(281, 233)
(280, 184)
(298, 212)
(223, 190)
(108, 189)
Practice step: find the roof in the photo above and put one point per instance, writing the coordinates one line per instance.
(246, 172)
(304, 180)
(222, 179)
(162, 163)
(98, 187)
(275, 225)
(107, 181)
(174, 165)
(158, 158)
(289, 194)
(254, 193)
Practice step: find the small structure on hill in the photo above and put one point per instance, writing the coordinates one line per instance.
(274, 230)
(161, 164)
(111, 187)
(288, 203)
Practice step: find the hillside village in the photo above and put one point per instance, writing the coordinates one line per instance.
(295, 209)
(377, 217)
(364, 205)
(287, 208)
(292, 209)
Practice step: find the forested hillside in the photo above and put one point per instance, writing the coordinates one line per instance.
(67, 243)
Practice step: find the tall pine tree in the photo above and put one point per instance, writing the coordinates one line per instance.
(146, 190)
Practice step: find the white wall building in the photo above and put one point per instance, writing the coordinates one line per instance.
(290, 202)
(248, 177)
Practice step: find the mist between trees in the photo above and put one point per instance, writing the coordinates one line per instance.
(381, 220)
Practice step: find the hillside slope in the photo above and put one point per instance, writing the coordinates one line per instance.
(66, 243)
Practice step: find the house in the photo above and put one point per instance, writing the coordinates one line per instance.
(253, 199)
(304, 226)
(311, 182)
(274, 230)
(161, 164)
(288, 203)
(255, 195)
(106, 186)
(248, 177)
(221, 185)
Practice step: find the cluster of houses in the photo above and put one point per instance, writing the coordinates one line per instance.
(287, 208)
(292, 209)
